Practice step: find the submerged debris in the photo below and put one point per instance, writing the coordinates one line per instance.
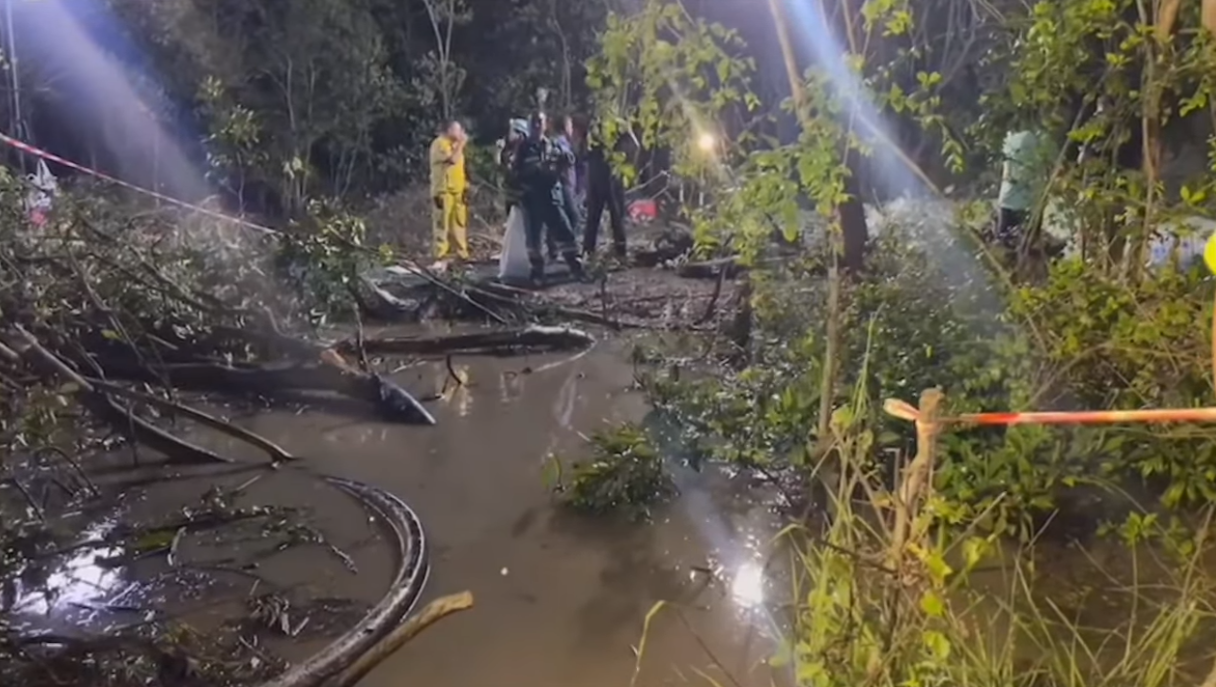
(116, 600)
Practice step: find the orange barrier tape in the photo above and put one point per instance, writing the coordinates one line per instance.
(908, 412)
(1087, 417)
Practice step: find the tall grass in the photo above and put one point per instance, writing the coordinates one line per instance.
(888, 595)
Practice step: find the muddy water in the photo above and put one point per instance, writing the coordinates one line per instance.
(560, 599)
(205, 576)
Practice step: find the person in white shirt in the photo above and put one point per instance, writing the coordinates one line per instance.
(1024, 172)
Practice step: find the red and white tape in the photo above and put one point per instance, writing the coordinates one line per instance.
(51, 157)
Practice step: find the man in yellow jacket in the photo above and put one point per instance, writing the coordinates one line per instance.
(449, 191)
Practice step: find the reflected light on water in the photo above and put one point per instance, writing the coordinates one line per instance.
(79, 579)
(747, 587)
(452, 386)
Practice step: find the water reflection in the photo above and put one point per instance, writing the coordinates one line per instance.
(510, 386)
(747, 587)
(563, 407)
(78, 580)
(452, 387)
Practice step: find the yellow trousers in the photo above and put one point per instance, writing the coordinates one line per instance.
(451, 224)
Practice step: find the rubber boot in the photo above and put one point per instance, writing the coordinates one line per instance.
(536, 278)
(576, 266)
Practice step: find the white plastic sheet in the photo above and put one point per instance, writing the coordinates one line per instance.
(513, 263)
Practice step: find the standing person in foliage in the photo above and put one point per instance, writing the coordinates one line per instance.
(449, 191)
(604, 191)
(537, 168)
(569, 175)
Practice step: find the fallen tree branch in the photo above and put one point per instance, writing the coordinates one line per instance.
(433, 612)
(558, 363)
(461, 294)
(331, 374)
(717, 268)
(487, 291)
(452, 374)
(80, 473)
(123, 419)
(9, 354)
(531, 339)
(277, 453)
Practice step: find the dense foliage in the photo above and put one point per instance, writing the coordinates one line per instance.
(1114, 86)
(282, 103)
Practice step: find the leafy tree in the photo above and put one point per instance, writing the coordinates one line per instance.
(538, 44)
(312, 79)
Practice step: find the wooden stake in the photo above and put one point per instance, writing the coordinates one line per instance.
(432, 613)
(916, 478)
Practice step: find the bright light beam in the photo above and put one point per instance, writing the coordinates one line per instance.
(98, 86)
(894, 169)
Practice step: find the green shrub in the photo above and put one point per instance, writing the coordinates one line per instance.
(625, 473)
(1079, 340)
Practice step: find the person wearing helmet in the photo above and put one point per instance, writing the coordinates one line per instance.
(508, 148)
(517, 133)
(537, 167)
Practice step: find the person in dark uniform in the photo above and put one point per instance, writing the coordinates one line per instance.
(604, 191)
(517, 132)
(569, 174)
(537, 168)
(516, 135)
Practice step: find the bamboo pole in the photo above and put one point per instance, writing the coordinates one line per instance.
(433, 612)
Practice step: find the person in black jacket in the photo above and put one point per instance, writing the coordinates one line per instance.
(517, 131)
(537, 167)
(604, 191)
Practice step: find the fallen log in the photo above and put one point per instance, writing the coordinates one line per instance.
(535, 339)
(276, 453)
(510, 296)
(266, 380)
(113, 413)
(711, 269)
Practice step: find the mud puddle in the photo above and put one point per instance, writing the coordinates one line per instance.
(253, 563)
(560, 599)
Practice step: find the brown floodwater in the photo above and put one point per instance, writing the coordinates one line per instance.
(561, 599)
